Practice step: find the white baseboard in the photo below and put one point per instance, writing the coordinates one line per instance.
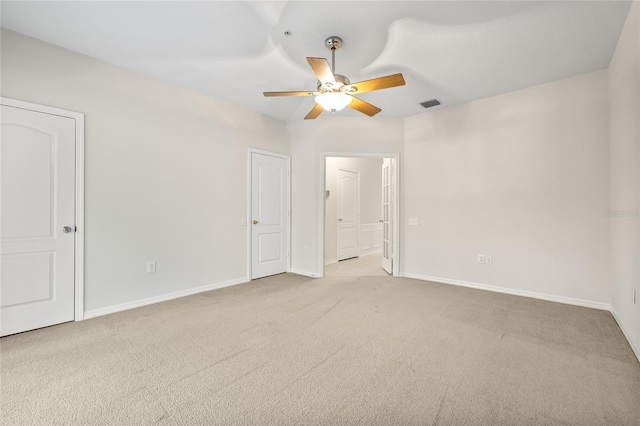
(552, 298)
(305, 273)
(330, 261)
(162, 298)
(634, 347)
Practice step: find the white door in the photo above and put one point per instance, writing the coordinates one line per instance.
(348, 214)
(37, 224)
(387, 240)
(270, 215)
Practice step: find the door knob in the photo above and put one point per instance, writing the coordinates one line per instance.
(255, 222)
(381, 221)
(339, 220)
(66, 229)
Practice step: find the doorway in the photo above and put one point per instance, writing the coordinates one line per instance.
(357, 181)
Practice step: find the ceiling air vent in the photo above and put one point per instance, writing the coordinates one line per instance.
(430, 103)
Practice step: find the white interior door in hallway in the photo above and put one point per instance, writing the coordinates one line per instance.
(348, 214)
(269, 214)
(38, 219)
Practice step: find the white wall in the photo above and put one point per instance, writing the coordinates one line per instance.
(310, 138)
(523, 177)
(165, 171)
(624, 133)
(370, 171)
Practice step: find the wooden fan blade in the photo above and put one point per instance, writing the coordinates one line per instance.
(315, 112)
(290, 93)
(386, 82)
(322, 69)
(364, 107)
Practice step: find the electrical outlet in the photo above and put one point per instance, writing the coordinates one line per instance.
(151, 267)
(481, 258)
(488, 260)
(413, 221)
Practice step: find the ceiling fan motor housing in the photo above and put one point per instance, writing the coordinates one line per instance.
(341, 81)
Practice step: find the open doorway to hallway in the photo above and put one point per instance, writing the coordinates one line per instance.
(359, 207)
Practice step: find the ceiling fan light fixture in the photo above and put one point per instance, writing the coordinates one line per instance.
(333, 101)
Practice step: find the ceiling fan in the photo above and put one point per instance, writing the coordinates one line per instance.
(335, 91)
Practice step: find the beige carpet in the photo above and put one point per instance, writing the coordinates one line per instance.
(338, 350)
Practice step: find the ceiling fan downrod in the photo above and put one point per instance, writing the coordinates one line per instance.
(333, 43)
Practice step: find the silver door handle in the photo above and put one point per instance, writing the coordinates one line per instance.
(255, 222)
(67, 229)
(381, 221)
(339, 220)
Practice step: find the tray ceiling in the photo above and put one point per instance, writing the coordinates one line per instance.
(455, 51)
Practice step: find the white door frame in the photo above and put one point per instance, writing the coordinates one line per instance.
(247, 220)
(387, 216)
(79, 193)
(396, 201)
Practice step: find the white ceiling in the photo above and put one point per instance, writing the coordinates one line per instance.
(451, 50)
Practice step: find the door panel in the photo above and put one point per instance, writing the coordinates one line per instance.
(31, 275)
(27, 153)
(348, 214)
(271, 181)
(270, 247)
(269, 209)
(38, 199)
